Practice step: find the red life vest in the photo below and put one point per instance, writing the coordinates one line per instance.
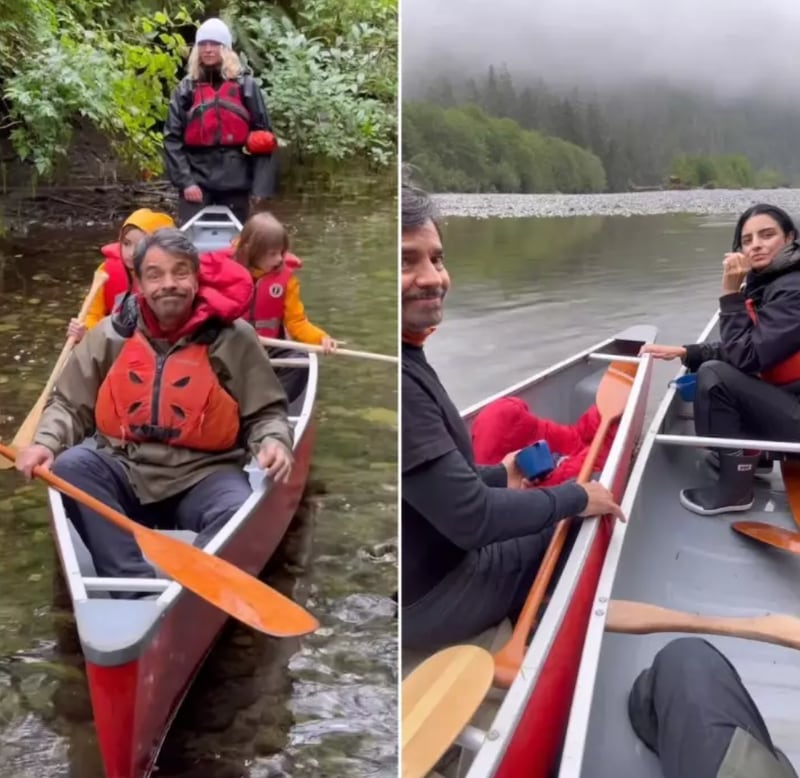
(217, 116)
(175, 399)
(119, 280)
(268, 306)
(786, 372)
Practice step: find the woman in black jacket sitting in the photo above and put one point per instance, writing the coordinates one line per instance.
(748, 384)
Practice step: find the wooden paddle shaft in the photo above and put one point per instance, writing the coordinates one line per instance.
(638, 618)
(123, 522)
(342, 352)
(509, 658)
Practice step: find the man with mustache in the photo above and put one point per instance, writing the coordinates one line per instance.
(472, 537)
(179, 393)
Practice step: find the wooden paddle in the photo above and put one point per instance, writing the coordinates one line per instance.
(438, 700)
(611, 399)
(24, 436)
(640, 618)
(215, 580)
(769, 534)
(790, 470)
(342, 352)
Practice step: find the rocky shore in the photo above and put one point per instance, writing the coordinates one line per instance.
(700, 201)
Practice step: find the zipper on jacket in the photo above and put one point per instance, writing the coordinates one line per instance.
(160, 360)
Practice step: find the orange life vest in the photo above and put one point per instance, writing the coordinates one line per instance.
(175, 399)
(269, 302)
(218, 116)
(786, 372)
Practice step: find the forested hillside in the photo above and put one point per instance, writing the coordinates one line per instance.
(642, 134)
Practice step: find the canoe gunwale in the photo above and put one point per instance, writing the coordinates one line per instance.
(504, 726)
(578, 727)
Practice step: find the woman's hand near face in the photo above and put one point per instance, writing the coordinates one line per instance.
(735, 267)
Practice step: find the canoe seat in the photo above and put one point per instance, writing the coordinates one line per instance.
(86, 564)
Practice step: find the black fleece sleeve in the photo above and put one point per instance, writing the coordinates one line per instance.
(449, 494)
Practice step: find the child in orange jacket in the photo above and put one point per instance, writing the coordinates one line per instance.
(118, 264)
(276, 310)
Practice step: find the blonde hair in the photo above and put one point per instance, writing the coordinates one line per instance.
(231, 64)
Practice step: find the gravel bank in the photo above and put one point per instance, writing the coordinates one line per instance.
(700, 201)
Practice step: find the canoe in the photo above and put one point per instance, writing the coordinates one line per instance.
(518, 731)
(142, 655)
(670, 557)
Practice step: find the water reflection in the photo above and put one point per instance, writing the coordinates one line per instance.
(529, 292)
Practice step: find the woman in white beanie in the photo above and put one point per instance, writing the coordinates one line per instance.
(217, 139)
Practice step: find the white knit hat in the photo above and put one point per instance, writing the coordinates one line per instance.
(214, 30)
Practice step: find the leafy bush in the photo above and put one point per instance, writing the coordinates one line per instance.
(329, 79)
(328, 70)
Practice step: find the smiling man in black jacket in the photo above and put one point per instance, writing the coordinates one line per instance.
(472, 537)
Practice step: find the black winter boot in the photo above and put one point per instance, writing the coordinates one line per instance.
(732, 492)
(763, 468)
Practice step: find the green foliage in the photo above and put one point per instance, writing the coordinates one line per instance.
(464, 150)
(722, 171)
(328, 70)
(637, 130)
(63, 62)
(329, 74)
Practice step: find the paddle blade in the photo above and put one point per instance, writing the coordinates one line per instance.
(222, 584)
(438, 700)
(790, 470)
(774, 536)
(615, 389)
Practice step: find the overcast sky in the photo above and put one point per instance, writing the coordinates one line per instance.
(735, 46)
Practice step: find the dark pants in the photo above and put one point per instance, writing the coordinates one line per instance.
(293, 379)
(687, 707)
(203, 508)
(238, 202)
(488, 585)
(730, 404)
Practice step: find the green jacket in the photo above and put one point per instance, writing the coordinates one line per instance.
(157, 471)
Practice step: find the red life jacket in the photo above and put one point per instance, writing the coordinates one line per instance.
(175, 399)
(786, 372)
(217, 116)
(119, 280)
(268, 306)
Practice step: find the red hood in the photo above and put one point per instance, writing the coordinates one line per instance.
(225, 290)
(112, 251)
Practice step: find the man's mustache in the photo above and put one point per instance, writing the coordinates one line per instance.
(431, 294)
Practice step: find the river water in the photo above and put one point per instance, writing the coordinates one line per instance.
(322, 706)
(529, 291)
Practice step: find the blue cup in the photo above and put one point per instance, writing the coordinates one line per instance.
(686, 386)
(535, 461)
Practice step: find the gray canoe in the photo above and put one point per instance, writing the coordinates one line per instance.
(671, 557)
(503, 734)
